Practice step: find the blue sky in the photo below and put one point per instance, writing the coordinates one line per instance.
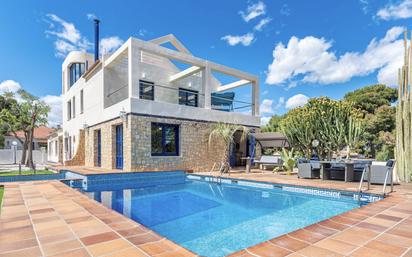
(299, 49)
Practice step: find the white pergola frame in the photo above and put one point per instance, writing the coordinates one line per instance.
(134, 46)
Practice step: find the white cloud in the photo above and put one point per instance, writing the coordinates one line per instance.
(262, 23)
(68, 37)
(296, 101)
(110, 44)
(401, 10)
(245, 40)
(264, 121)
(253, 11)
(266, 106)
(55, 114)
(280, 103)
(9, 86)
(312, 59)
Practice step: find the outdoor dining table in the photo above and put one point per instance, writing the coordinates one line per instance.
(349, 170)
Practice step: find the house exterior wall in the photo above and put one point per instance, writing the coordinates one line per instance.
(194, 150)
(113, 89)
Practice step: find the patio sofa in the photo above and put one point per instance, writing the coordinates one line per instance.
(308, 169)
(269, 160)
(378, 172)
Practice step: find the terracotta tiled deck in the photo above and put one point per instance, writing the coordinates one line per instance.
(47, 218)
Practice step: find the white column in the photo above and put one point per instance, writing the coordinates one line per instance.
(133, 69)
(207, 85)
(255, 98)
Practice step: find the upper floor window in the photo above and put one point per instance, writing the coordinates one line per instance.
(165, 139)
(146, 90)
(76, 71)
(188, 97)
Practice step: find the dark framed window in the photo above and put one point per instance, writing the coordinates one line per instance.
(165, 139)
(76, 71)
(188, 97)
(74, 107)
(146, 90)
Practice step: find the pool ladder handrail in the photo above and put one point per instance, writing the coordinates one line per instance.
(216, 178)
(367, 169)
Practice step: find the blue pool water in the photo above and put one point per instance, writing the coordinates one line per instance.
(216, 219)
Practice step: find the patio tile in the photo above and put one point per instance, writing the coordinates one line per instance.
(388, 217)
(368, 252)
(129, 252)
(343, 220)
(56, 238)
(60, 247)
(307, 236)
(99, 238)
(159, 247)
(289, 243)
(16, 245)
(333, 225)
(268, 250)
(336, 246)
(41, 210)
(355, 235)
(108, 247)
(401, 232)
(394, 240)
(27, 252)
(144, 238)
(385, 247)
(321, 230)
(133, 231)
(73, 253)
(314, 251)
(370, 226)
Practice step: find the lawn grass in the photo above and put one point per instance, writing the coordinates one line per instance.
(26, 172)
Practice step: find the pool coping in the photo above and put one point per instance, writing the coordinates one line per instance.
(362, 230)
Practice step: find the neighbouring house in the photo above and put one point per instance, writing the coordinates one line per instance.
(55, 146)
(149, 107)
(41, 135)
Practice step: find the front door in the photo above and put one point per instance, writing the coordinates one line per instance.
(119, 147)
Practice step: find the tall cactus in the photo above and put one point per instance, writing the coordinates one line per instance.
(403, 116)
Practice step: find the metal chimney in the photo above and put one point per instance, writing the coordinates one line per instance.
(96, 40)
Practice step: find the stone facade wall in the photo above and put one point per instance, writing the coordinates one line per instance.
(79, 158)
(195, 153)
(108, 144)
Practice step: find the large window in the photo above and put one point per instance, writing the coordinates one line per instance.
(76, 71)
(165, 139)
(188, 97)
(146, 90)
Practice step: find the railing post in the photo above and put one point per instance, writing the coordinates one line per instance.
(207, 84)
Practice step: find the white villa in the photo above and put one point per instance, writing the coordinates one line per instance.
(149, 107)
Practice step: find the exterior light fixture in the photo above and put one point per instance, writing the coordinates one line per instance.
(85, 126)
(123, 115)
(143, 75)
(315, 143)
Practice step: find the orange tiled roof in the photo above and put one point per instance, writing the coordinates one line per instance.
(41, 132)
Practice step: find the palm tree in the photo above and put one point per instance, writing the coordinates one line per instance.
(225, 133)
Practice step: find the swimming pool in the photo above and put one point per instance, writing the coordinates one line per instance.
(216, 218)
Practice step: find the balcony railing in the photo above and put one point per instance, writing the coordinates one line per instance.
(191, 97)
